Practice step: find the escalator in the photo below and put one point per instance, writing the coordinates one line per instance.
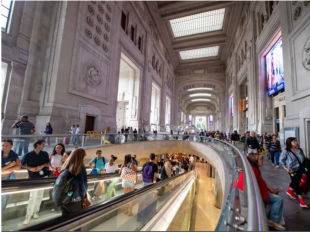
(18, 192)
(110, 215)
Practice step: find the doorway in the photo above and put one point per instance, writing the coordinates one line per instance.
(128, 94)
(90, 123)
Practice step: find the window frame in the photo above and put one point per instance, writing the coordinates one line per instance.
(6, 29)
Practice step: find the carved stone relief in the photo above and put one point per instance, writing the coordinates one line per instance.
(93, 74)
(306, 55)
(297, 11)
(96, 29)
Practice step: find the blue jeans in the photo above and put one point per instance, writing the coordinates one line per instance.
(144, 184)
(23, 146)
(276, 210)
(275, 155)
(5, 198)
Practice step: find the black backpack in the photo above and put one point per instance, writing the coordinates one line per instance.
(63, 189)
(103, 160)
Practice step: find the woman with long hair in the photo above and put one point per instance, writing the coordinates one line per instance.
(128, 173)
(269, 195)
(292, 158)
(75, 165)
(56, 158)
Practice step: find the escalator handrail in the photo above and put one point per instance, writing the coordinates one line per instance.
(103, 207)
(22, 185)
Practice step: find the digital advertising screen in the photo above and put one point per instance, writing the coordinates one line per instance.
(274, 68)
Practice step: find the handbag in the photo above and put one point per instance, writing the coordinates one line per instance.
(129, 175)
(100, 189)
(86, 201)
(302, 165)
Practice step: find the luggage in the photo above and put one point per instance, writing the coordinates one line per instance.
(304, 184)
(100, 189)
(66, 140)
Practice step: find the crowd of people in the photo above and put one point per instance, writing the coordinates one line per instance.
(292, 159)
(70, 165)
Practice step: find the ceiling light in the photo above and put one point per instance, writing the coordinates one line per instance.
(194, 89)
(198, 23)
(200, 95)
(199, 53)
(200, 99)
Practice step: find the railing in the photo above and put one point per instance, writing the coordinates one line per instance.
(242, 210)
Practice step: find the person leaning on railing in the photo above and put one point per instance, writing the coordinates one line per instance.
(9, 163)
(25, 128)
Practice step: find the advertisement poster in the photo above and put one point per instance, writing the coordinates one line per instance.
(275, 69)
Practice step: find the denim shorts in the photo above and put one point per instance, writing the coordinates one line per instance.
(127, 184)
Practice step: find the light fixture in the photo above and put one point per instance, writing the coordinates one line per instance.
(200, 99)
(200, 95)
(198, 23)
(199, 53)
(204, 88)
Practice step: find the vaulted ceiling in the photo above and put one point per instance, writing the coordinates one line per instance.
(198, 35)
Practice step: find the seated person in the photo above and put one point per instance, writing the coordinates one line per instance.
(269, 195)
(98, 162)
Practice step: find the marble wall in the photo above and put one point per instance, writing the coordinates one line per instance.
(64, 63)
(260, 24)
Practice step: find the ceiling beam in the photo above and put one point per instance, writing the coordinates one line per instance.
(206, 41)
(175, 10)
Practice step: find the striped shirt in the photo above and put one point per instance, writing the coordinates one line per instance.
(25, 128)
(274, 146)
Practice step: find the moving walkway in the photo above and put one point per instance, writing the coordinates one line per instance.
(240, 210)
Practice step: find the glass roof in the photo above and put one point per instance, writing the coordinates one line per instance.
(203, 88)
(200, 99)
(199, 53)
(198, 23)
(200, 95)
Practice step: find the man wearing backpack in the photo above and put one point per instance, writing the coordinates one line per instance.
(98, 163)
(149, 171)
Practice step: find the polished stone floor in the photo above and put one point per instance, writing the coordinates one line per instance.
(296, 218)
(205, 215)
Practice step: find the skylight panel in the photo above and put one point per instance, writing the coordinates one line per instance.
(199, 53)
(200, 95)
(200, 99)
(198, 23)
(203, 88)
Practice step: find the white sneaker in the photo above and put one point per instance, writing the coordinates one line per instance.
(36, 215)
(277, 166)
(27, 220)
(53, 210)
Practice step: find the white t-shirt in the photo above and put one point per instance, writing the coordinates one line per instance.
(56, 161)
(111, 169)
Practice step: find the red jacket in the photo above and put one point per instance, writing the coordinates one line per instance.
(260, 181)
